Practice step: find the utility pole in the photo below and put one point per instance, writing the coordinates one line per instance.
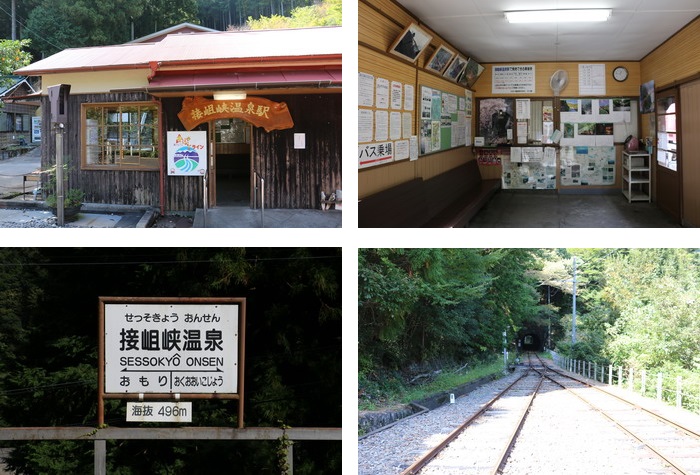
(573, 320)
(14, 20)
(505, 352)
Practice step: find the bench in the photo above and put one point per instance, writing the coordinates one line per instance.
(457, 195)
(450, 199)
(401, 206)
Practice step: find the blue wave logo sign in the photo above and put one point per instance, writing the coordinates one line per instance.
(186, 159)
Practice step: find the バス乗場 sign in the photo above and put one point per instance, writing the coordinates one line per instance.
(171, 348)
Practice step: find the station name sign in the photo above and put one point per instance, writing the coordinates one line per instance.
(189, 348)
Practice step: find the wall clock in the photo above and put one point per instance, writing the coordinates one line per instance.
(620, 73)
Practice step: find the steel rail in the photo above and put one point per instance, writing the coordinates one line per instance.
(425, 459)
(509, 447)
(656, 415)
(667, 460)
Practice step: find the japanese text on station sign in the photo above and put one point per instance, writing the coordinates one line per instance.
(171, 348)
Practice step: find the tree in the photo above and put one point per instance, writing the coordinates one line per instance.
(420, 305)
(327, 13)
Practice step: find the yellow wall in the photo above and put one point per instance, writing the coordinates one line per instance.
(677, 60)
(98, 81)
(380, 23)
(544, 71)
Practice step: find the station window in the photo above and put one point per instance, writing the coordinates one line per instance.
(667, 141)
(120, 136)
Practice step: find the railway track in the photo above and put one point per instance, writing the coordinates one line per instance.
(677, 445)
(483, 443)
(497, 423)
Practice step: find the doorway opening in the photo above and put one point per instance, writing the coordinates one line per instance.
(232, 162)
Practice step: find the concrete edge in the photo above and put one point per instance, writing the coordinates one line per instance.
(437, 400)
(148, 218)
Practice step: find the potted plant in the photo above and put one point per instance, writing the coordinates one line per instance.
(72, 202)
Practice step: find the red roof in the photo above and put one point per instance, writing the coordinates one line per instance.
(198, 48)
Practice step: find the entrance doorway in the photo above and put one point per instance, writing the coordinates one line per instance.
(230, 175)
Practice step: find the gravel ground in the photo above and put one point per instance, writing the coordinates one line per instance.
(393, 450)
(562, 434)
(32, 223)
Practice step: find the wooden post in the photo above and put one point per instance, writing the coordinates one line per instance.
(659, 386)
(679, 391)
(631, 379)
(644, 382)
(100, 457)
(610, 375)
(290, 458)
(619, 376)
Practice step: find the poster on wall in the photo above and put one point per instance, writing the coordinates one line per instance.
(365, 90)
(646, 97)
(583, 166)
(443, 121)
(385, 122)
(591, 79)
(515, 79)
(529, 168)
(496, 118)
(187, 153)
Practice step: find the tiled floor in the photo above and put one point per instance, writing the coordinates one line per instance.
(524, 209)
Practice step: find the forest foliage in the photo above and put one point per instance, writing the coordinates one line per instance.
(420, 306)
(54, 25)
(49, 335)
(638, 308)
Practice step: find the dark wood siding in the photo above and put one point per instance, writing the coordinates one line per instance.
(295, 178)
(130, 187)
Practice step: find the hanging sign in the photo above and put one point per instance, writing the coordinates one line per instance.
(187, 153)
(258, 111)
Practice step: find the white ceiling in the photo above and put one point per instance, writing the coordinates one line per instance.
(479, 28)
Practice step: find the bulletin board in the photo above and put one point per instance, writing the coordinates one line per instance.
(385, 121)
(443, 120)
(530, 168)
(587, 165)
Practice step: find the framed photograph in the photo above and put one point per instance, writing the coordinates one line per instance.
(471, 73)
(496, 118)
(456, 67)
(440, 59)
(646, 97)
(411, 43)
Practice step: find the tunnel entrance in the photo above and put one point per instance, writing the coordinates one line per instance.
(531, 342)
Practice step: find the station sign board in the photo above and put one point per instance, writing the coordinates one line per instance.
(171, 348)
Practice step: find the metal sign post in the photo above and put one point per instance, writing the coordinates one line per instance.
(59, 174)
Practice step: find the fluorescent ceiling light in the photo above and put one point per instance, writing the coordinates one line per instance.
(229, 96)
(559, 16)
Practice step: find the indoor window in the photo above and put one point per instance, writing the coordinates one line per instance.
(122, 136)
(666, 150)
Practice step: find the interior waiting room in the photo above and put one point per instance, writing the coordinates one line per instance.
(551, 113)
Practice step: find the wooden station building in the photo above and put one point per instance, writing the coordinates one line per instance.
(268, 103)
